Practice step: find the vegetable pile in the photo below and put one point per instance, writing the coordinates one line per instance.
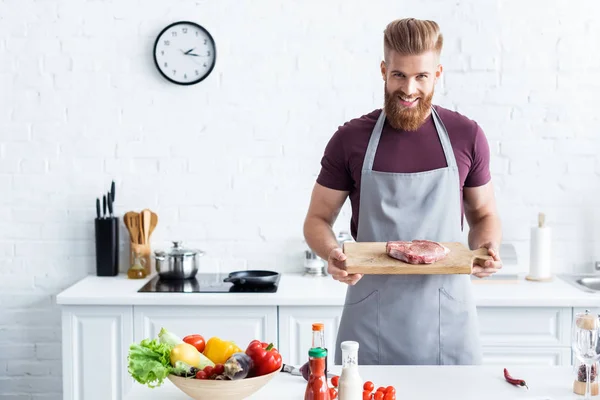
(151, 361)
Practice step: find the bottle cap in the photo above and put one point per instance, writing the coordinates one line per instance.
(317, 352)
(349, 345)
(318, 327)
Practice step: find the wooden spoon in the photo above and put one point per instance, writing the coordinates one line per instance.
(153, 223)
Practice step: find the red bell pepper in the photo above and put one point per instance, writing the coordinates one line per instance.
(266, 358)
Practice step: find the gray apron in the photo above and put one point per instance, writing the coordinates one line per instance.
(410, 319)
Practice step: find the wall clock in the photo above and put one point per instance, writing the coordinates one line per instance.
(184, 53)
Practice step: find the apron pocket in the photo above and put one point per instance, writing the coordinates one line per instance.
(360, 322)
(459, 336)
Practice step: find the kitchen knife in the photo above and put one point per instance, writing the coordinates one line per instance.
(290, 369)
(110, 205)
(112, 192)
(98, 207)
(104, 206)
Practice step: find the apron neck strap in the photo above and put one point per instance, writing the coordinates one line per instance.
(376, 135)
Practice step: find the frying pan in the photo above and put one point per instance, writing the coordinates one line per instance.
(253, 278)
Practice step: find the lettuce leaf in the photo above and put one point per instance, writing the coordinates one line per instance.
(149, 362)
(169, 338)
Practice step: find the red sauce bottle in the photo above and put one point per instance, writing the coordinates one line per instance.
(317, 387)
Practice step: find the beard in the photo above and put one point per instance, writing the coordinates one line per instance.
(403, 118)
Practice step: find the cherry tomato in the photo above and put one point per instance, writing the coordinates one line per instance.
(209, 370)
(335, 381)
(332, 393)
(367, 395)
(378, 396)
(389, 396)
(390, 389)
(197, 341)
(381, 389)
(218, 369)
(200, 375)
(369, 386)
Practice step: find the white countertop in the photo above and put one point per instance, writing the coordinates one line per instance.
(299, 290)
(418, 382)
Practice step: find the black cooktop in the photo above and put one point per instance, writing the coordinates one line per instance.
(203, 283)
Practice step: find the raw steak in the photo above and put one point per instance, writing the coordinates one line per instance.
(417, 251)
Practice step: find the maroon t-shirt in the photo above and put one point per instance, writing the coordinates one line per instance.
(403, 151)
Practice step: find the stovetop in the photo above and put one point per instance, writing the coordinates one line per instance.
(203, 283)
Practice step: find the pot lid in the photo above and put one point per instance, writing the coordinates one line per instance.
(178, 250)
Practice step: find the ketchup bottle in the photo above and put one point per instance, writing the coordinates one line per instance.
(317, 388)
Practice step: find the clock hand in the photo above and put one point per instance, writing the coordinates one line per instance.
(188, 52)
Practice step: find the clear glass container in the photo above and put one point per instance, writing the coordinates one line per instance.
(585, 343)
(350, 386)
(137, 270)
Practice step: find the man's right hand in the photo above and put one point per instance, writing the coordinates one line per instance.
(336, 268)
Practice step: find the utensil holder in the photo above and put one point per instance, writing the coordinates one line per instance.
(107, 246)
(144, 250)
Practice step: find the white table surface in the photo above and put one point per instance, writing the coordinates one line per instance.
(419, 383)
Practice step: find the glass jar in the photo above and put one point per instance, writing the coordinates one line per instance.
(580, 378)
(137, 270)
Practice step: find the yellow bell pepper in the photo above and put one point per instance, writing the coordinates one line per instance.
(218, 350)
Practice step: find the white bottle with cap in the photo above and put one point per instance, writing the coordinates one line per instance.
(350, 386)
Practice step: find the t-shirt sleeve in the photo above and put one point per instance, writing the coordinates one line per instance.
(479, 173)
(334, 172)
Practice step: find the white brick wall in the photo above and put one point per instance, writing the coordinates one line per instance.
(228, 164)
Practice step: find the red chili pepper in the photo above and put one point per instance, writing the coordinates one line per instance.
(510, 379)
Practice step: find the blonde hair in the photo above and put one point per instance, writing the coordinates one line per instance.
(412, 36)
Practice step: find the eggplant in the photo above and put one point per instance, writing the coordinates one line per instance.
(238, 366)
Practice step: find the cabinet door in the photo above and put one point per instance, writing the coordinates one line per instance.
(295, 331)
(95, 344)
(503, 356)
(525, 326)
(238, 324)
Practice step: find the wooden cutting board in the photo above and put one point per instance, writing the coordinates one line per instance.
(371, 258)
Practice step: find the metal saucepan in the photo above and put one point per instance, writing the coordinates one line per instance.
(177, 263)
(253, 278)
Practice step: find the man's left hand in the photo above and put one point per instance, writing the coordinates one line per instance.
(488, 267)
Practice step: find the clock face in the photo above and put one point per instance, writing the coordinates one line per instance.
(184, 53)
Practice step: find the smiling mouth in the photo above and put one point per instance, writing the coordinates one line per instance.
(407, 102)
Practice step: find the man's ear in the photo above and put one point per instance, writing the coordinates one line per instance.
(438, 72)
(383, 70)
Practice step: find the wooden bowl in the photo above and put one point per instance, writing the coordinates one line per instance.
(205, 389)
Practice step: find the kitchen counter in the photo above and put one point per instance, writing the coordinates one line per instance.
(299, 290)
(421, 382)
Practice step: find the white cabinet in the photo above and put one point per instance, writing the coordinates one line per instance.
(509, 335)
(546, 356)
(295, 331)
(524, 326)
(525, 335)
(238, 324)
(95, 343)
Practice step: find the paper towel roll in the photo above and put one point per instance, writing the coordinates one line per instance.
(540, 256)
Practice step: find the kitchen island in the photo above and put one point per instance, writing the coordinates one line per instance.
(418, 382)
(524, 323)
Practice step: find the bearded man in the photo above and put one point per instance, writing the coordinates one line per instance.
(412, 170)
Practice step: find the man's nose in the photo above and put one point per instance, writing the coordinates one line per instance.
(410, 88)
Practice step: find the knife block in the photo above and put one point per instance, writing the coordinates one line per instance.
(107, 246)
(144, 251)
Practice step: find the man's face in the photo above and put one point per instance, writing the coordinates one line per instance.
(409, 83)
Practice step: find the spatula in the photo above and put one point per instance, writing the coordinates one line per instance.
(131, 219)
(146, 216)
